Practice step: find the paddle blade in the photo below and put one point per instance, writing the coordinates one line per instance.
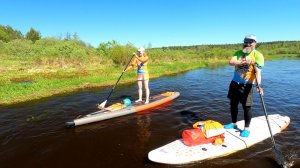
(280, 158)
(102, 105)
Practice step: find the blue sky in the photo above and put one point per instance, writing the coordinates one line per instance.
(156, 22)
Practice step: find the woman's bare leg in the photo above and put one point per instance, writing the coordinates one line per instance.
(140, 85)
(146, 85)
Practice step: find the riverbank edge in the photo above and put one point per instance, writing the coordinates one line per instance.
(110, 83)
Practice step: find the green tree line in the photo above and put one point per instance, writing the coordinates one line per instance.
(72, 50)
(7, 34)
(267, 48)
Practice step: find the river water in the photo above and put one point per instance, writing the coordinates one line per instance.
(33, 134)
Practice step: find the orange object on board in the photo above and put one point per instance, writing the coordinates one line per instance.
(195, 136)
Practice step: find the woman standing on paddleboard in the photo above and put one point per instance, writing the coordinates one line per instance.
(240, 89)
(141, 61)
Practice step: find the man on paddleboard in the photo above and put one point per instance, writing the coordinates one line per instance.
(240, 89)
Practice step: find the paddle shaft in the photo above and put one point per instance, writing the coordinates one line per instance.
(263, 103)
(264, 107)
(119, 78)
(279, 156)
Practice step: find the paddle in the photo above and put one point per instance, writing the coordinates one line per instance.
(278, 154)
(102, 105)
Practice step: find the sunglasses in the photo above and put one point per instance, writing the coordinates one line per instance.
(249, 41)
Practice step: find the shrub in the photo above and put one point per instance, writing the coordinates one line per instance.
(19, 47)
(121, 54)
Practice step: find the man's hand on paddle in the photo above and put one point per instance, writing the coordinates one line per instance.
(249, 61)
(260, 90)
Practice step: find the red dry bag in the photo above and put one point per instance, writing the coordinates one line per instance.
(192, 137)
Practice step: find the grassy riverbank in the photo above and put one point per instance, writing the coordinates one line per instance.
(22, 81)
(30, 71)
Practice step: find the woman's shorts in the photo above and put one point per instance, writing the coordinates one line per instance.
(142, 77)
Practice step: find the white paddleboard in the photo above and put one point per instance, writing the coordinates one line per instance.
(116, 111)
(177, 152)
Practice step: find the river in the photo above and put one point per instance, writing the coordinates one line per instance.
(32, 134)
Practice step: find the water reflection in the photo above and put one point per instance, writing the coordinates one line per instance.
(144, 133)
